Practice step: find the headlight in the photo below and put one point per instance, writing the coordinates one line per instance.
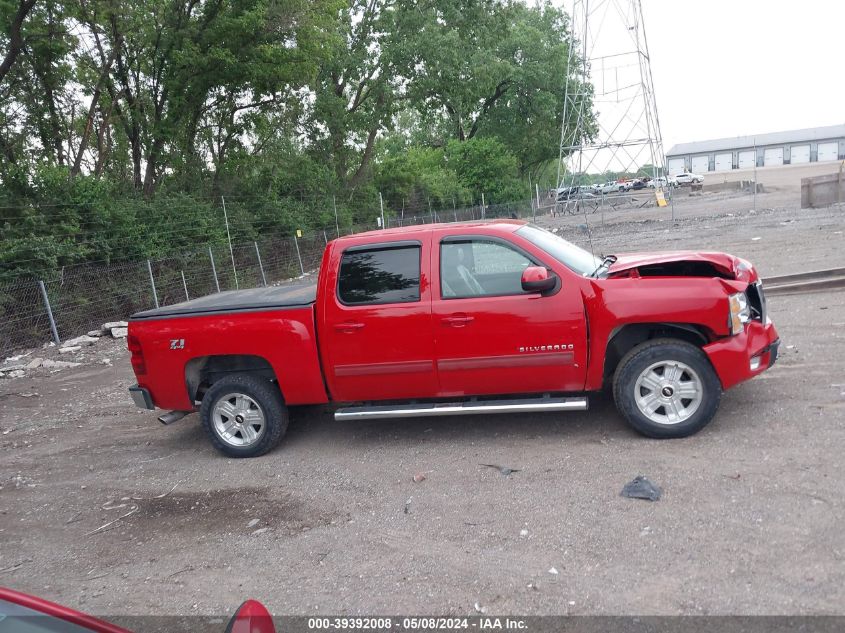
(740, 312)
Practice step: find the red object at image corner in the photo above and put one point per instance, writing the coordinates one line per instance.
(251, 616)
(40, 607)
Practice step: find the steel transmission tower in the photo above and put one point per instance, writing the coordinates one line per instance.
(609, 67)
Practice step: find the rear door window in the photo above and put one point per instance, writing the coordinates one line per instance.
(380, 275)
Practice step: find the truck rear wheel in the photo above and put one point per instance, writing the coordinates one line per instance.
(243, 415)
(666, 388)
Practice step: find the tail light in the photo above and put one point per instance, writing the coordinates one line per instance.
(139, 366)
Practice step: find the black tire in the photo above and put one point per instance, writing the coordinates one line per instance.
(644, 356)
(266, 395)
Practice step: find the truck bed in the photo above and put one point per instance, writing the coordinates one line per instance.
(274, 325)
(296, 295)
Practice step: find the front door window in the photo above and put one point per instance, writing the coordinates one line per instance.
(479, 268)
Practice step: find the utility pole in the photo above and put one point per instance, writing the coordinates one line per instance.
(213, 269)
(229, 237)
(336, 223)
(53, 329)
(152, 282)
(671, 195)
(381, 204)
(755, 173)
(533, 212)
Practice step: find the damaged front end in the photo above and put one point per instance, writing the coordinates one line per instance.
(750, 342)
(682, 264)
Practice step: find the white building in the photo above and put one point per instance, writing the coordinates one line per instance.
(819, 144)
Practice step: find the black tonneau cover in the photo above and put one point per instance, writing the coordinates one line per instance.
(293, 295)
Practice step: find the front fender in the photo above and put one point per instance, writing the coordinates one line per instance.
(701, 302)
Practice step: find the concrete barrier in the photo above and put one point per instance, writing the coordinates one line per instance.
(717, 187)
(822, 191)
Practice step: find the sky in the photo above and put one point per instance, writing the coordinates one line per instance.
(741, 67)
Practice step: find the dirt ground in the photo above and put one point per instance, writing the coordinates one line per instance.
(104, 509)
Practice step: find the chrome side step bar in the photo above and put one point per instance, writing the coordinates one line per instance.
(473, 407)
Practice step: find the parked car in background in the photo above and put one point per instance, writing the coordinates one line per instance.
(659, 182)
(563, 193)
(610, 187)
(638, 184)
(687, 178)
(576, 193)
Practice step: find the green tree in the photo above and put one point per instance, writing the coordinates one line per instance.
(411, 178)
(188, 74)
(359, 86)
(13, 15)
(121, 124)
(494, 68)
(528, 117)
(484, 165)
(34, 76)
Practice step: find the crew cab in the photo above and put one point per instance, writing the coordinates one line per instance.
(457, 319)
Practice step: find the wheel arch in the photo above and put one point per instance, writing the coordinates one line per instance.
(626, 337)
(203, 371)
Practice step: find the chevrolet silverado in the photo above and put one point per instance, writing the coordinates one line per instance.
(458, 319)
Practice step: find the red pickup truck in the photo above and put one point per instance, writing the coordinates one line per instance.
(457, 319)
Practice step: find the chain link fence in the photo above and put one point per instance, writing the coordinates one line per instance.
(81, 298)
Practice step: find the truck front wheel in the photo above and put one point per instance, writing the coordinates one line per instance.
(666, 388)
(243, 415)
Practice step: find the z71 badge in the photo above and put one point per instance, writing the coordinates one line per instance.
(177, 343)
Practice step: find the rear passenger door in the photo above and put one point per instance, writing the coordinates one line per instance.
(376, 336)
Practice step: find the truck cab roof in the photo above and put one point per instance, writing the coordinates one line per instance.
(503, 225)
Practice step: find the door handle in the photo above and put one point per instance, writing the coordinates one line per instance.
(457, 320)
(348, 327)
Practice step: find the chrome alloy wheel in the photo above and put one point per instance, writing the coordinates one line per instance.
(238, 419)
(668, 392)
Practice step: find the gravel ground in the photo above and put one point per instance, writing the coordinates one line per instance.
(105, 510)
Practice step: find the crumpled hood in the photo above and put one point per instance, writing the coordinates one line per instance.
(729, 265)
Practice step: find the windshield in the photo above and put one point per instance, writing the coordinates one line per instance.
(566, 253)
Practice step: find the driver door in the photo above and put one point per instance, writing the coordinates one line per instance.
(491, 337)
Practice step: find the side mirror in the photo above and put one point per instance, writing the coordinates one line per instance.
(538, 279)
(251, 617)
